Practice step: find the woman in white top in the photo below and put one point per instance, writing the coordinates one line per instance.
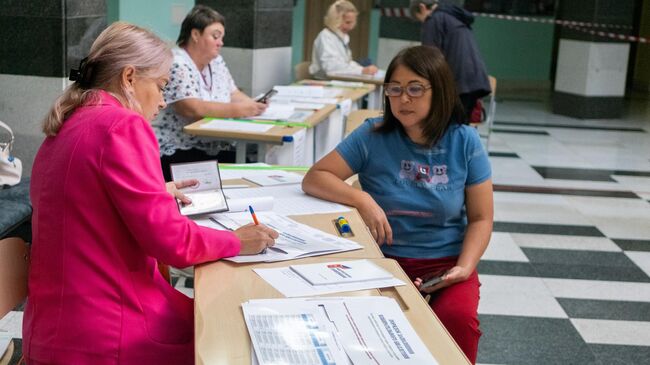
(331, 52)
(200, 86)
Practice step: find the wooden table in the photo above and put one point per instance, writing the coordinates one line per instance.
(221, 336)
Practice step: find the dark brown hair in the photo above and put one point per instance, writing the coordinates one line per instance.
(199, 17)
(429, 63)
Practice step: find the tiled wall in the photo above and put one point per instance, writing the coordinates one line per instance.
(258, 41)
(40, 40)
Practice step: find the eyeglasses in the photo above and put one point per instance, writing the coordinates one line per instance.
(413, 89)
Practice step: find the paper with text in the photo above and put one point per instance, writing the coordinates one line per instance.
(292, 285)
(232, 126)
(296, 240)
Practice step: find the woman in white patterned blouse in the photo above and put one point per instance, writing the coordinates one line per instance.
(200, 86)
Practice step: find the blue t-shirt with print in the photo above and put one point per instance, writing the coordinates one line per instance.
(422, 190)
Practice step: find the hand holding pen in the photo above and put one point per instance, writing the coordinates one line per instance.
(255, 237)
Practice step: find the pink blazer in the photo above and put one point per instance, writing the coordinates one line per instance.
(101, 218)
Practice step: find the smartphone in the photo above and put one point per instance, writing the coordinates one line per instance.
(265, 98)
(431, 282)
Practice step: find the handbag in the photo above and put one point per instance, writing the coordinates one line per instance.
(10, 167)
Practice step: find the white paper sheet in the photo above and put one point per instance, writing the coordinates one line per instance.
(297, 335)
(259, 203)
(304, 99)
(296, 240)
(275, 178)
(275, 111)
(304, 91)
(231, 126)
(12, 323)
(373, 330)
(5, 339)
(291, 285)
(289, 200)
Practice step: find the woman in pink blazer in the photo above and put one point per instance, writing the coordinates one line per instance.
(102, 216)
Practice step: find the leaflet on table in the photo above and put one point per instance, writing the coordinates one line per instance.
(235, 126)
(300, 334)
(273, 178)
(275, 111)
(372, 330)
(207, 196)
(379, 75)
(289, 200)
(301, 100)
(291, 285)
(296, 240)
(307, 91)
(328, 273)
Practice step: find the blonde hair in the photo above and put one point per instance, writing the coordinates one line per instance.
(334, 16)
(118, 46)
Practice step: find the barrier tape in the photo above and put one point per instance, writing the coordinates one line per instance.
(572, 24)
(621, 37)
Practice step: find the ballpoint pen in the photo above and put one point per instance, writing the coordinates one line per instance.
(257, 223)
(250, 209)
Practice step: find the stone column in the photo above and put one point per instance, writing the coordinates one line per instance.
(257, 46)
(40, 40)
(591, 70)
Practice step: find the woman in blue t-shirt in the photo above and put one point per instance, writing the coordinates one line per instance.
(427, 191)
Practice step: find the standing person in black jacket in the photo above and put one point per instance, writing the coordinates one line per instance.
(447, 27)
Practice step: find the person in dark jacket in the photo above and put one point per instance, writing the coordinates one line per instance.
(447, 27)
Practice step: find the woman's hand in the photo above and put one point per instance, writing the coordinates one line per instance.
(173, 186)
(454, 275)
(369, 70)
(255, 238)
(250, 108)
(375, 219)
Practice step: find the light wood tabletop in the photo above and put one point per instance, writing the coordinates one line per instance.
(221, 336)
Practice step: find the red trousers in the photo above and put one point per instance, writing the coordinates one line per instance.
(455, 305)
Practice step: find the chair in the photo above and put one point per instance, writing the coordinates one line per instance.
(14, 258)
(301, 71)
(357, 117)
(485, 128)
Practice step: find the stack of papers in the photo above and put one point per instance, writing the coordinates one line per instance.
(275, 111)
(296, 240)
(273, 178)
(319, 331)
(327, 278)
(289, 199)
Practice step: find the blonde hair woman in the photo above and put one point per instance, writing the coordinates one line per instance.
(102, 216)
(331, 52)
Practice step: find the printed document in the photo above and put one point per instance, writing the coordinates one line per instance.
(275, 111)
(291, 285)
(296, 240)
(289, 200)
(273, 178)
(234, 126)
(298, 334)
(373, 330)
(328, 273)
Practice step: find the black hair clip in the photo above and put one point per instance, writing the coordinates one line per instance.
(80, 75)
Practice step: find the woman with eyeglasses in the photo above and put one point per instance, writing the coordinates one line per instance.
(427, 189)
(200, 85)
(103, 216)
